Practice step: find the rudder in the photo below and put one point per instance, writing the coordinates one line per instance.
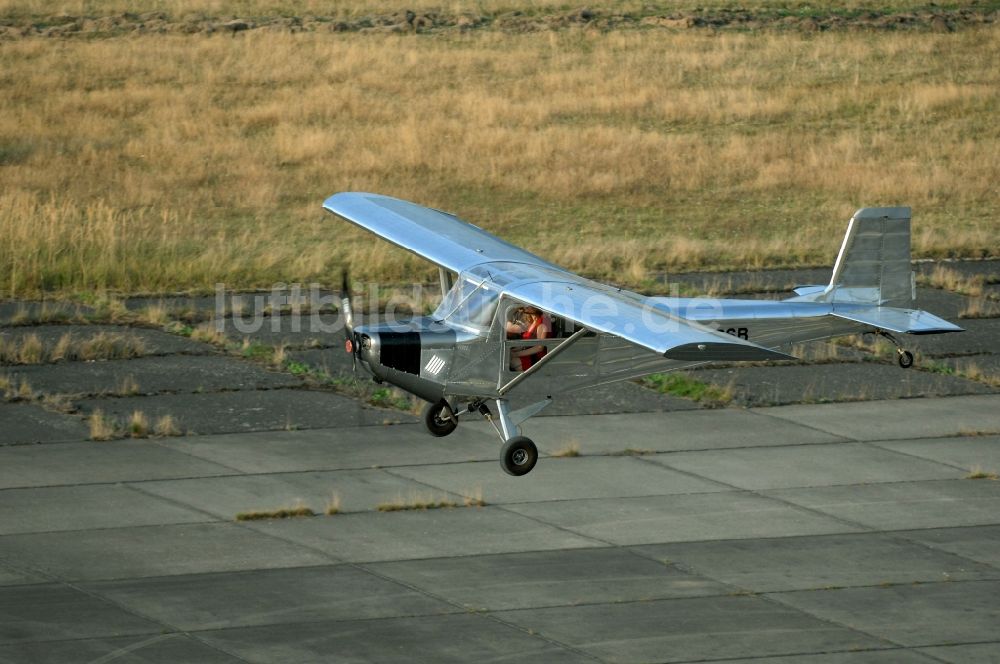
(873, 266)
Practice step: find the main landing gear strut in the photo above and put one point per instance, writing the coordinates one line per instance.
(903, 356)
(518, 454)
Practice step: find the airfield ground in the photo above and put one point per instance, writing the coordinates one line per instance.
(808, 527)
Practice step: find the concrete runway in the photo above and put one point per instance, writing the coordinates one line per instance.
(821, 533)
(817, 533)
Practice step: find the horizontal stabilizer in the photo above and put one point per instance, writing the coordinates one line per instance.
(908, 321)
(808, 290)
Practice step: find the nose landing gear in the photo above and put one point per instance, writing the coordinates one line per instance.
(439, 419)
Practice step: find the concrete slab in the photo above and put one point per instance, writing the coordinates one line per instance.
(623, 397)
(332, 360)
(977, 653)
(16, 311)
(334, 449)
(548, 578)
(656, 432)
(156, 342)
(970, 452)
(988, 365)
(810, 465)
(462, 531)
(225, 497)
(981, 543)
(175, 305)
(28, 423)
(865, 381)
(894, 420)
(904, 505)
(52, 612)
(940, 302)
(259, 410)
(154, 374)
(989, 267)
(811, 563)
(154, 649)
(455, 639)
(268, 597)
(97, 462)
(325, 330)
(692, 517)
(887, 656)
(14, 577)
(910, 615)
(85, 508)
(685, 630)
(980, 336)
(559, 479)
(122, 553)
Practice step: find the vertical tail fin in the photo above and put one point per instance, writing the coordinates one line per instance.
(873, 266)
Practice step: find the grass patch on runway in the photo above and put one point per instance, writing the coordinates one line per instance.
(977, 473)
(970, 433)
(570, 449)
(423, 502)
(632, 451)
(967, 369)
(30, 349)
(16, 388)
(682, 385)
(332, 505)
(296, 511)
(137, 425)
(980, 307)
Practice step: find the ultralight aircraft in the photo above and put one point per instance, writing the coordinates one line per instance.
(479, 348)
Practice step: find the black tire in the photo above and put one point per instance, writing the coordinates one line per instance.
(518, 456)
(439, 420)
(905, 359)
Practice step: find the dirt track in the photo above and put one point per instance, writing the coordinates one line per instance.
(406, 21)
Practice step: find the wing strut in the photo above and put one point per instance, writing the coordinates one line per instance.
(516, 380)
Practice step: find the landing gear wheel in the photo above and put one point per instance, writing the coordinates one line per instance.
(518, 456)
(439, 420)
(905, 359)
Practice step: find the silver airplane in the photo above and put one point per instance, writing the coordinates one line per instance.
(481, 347)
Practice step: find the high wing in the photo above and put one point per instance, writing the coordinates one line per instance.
(608, 310)
(460, 246)
(441, 238)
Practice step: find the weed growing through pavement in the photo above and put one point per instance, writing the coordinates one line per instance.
(298, 510)
(570, 449)
(977, 473)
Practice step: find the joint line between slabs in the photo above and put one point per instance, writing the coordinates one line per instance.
(787, 503)
(844, 438)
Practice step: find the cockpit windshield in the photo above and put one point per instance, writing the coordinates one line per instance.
(470, 303)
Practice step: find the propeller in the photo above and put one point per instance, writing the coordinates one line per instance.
(351, 341)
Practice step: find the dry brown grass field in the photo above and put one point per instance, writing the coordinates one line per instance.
(164, 163)
(360, 7)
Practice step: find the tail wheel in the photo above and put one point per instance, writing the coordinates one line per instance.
(439, 419)
(905, 359)
(518, 456)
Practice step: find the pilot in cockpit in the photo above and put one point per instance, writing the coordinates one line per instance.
(527, 323)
